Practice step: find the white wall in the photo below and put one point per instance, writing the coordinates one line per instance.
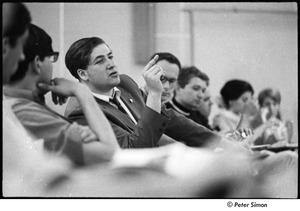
(259, 47)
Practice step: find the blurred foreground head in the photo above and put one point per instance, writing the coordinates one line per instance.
(16, 18)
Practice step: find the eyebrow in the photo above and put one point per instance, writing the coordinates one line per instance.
(102, 56)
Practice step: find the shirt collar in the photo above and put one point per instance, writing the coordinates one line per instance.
(179, 108)
(106, 98)
(24, 93)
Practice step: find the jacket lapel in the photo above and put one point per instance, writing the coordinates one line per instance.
(131, 104)
(115, 116)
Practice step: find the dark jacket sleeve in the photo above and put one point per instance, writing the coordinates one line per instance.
(146, 133)
(189, 132)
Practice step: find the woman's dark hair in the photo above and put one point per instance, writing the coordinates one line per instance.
(234, 89)
(78, 55)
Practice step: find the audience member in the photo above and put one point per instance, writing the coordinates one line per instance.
(205, 105)
(26, 170)
(268, 119)
(236, 96)
(83, 145)
(191, 89)
(14, 34)
(189, 99)
(171, 67)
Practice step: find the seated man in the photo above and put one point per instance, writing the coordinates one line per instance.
(171, 67)
(90, 60)
(191, 89)
(60, 135)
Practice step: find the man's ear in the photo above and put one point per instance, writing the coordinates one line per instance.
(36, 65)
(5, 46)
(82, 74)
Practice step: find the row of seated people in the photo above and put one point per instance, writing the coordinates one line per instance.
(93, 151)
(186, 90)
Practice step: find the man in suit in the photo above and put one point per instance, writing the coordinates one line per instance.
(91, 61)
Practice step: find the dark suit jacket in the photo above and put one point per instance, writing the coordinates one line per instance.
(151, 125)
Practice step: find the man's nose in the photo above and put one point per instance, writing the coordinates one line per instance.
(200, 95)
(166, 85)
(110, 64)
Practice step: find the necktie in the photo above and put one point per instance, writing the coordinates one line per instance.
(116, 102)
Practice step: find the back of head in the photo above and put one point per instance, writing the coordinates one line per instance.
(16, 18)
(168, 57)
(78, 55)
(186, 73)
(234, 89)
(271, 93)
(39, 43)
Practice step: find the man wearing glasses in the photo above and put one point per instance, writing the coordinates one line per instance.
(83, 145)
(171, 67)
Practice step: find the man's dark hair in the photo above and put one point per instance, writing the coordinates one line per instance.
(39, 43)
(78, 55)
(17, 23)
(187, 73)
(168, 57)
(234, 89)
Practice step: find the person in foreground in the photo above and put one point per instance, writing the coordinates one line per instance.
(26, 169)
(60, 136)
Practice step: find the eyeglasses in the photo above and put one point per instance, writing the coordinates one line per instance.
(164, 79)
(53, 57)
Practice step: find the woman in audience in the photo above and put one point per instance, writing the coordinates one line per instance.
(236, 102)
(268, 119)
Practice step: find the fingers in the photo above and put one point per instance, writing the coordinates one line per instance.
(87, 135)
(245, 132)
(54, 98)
(155, 72)
(151, 63)
(242, 134)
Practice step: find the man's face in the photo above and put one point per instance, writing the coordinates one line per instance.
(205, 104)
(190, 96)
(102, 71)
(12, 56)
(171, 73)
(46, 68)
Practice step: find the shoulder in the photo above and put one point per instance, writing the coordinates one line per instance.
(127, 81)
(25, 106)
